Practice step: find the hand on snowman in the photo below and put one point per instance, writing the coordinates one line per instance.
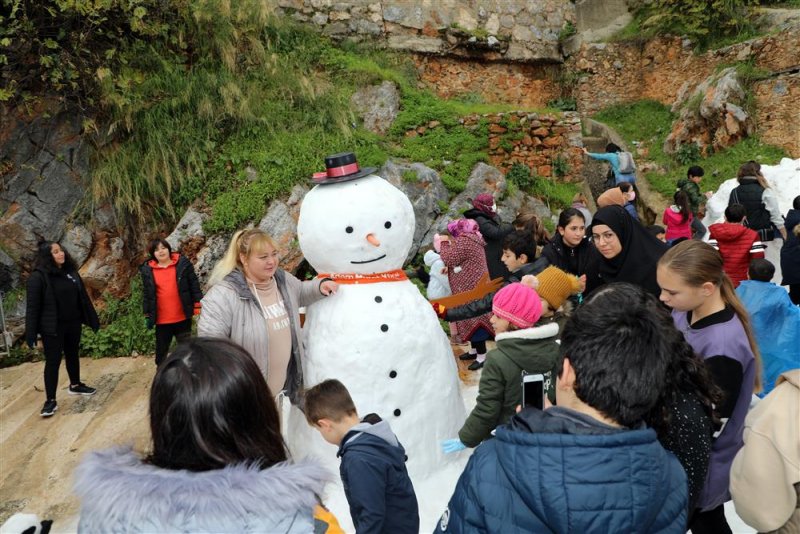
(452, 445)
(328, 287)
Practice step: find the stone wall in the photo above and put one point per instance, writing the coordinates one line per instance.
(491, 29)
(778, 105)
(662, 68)
(521, 84)
(549, 144)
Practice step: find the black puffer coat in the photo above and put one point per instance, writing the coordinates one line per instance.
(790, 253)
(41, 313)
(493, 231)
(188, 287)
(583, 259)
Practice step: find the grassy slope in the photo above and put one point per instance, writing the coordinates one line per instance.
(649, 122)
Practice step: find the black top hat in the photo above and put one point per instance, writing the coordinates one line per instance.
(341, 167)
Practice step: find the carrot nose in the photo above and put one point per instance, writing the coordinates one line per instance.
(373, 240)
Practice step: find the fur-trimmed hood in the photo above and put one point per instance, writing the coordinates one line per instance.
(120, 493)
(530, 348)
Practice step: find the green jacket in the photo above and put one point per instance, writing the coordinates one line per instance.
(533, 350)
(692, 190)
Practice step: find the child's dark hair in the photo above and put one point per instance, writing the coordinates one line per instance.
(210, 407)
(695, 170)
(655, 229)
(761, 270)
(566, 216)
(686, 372)
(519, 242)
(611, 147)
(796, 203)
(682, 201)
(625, 187)
(735, 213)
(154, 245)
(619, 356)
(45, 262)
(328, 400)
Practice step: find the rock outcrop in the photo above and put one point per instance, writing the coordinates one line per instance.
(712, 115)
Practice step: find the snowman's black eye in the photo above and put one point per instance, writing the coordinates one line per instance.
(349, 229)
(387, 224)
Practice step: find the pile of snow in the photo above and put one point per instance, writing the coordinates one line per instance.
(784, 179)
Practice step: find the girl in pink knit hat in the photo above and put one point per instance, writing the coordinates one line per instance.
(522, 346)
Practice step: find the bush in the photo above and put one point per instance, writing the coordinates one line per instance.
(123, 329)
(688, 153)
(710, 23)
(520, 175)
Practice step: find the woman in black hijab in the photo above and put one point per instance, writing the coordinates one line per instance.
(628, 253)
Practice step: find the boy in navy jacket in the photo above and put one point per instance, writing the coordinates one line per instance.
(373, 469)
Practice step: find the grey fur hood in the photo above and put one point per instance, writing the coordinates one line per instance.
(120, 493)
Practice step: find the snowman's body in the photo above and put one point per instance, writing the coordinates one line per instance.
(381, 339)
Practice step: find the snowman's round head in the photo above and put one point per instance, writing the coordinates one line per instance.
(360, 226)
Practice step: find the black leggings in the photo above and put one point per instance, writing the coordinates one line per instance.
(165, 333)
(67, 341)
(710, 522)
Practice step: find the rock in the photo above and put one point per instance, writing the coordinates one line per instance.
(208, 255)
(377, 105)
(45, 168)
(77, 241)
(107, 269)
(711, 115)
(9, 275)
(190, 226)
(280, 222)
(424, 188)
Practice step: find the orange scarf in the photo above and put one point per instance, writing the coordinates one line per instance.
(355, 278)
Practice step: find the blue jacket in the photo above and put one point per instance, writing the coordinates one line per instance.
(776, 324)
(561, 471)
(375, 480)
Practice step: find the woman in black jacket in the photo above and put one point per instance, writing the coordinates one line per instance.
(571, 251)
(57, 306)
(170, 295)
(493, 230)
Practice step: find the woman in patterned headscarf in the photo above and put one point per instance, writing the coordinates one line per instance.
(464, 258)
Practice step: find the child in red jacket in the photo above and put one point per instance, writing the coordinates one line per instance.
(736, 243)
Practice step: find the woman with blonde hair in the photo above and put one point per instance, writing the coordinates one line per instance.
(714, 322)
(255, 303)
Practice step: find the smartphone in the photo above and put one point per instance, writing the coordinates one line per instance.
(533, 391)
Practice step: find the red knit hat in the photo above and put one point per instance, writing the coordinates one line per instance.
(518, 304)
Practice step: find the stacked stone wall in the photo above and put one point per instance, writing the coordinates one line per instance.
(489, 29)
(549, 144)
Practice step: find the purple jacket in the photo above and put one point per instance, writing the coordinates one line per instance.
(728, 339)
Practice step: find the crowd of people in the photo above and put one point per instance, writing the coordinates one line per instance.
(651, 358)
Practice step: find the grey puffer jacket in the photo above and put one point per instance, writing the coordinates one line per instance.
(120, 493)
(231, 311)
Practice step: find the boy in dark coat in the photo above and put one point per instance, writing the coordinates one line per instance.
(697, 200)
(373, 469)
(588, 464)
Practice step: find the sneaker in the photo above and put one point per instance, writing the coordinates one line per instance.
(467, 356)
(81, 389)
(49, 408)
(474, 366)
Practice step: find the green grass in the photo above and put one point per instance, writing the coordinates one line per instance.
(646, 121)
(650, 122)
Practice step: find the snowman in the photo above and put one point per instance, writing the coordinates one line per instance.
(378, 335)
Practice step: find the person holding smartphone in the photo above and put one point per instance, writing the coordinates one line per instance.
(523, 346)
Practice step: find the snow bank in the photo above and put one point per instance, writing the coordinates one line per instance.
(784, 178)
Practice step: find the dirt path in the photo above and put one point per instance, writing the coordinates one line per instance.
(38, 456)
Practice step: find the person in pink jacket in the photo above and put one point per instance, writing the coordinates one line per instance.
(678, 218)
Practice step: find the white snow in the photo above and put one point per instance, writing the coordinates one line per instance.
(381, 339)
(784, 178)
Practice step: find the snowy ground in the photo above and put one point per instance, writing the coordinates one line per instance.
(784, 178)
